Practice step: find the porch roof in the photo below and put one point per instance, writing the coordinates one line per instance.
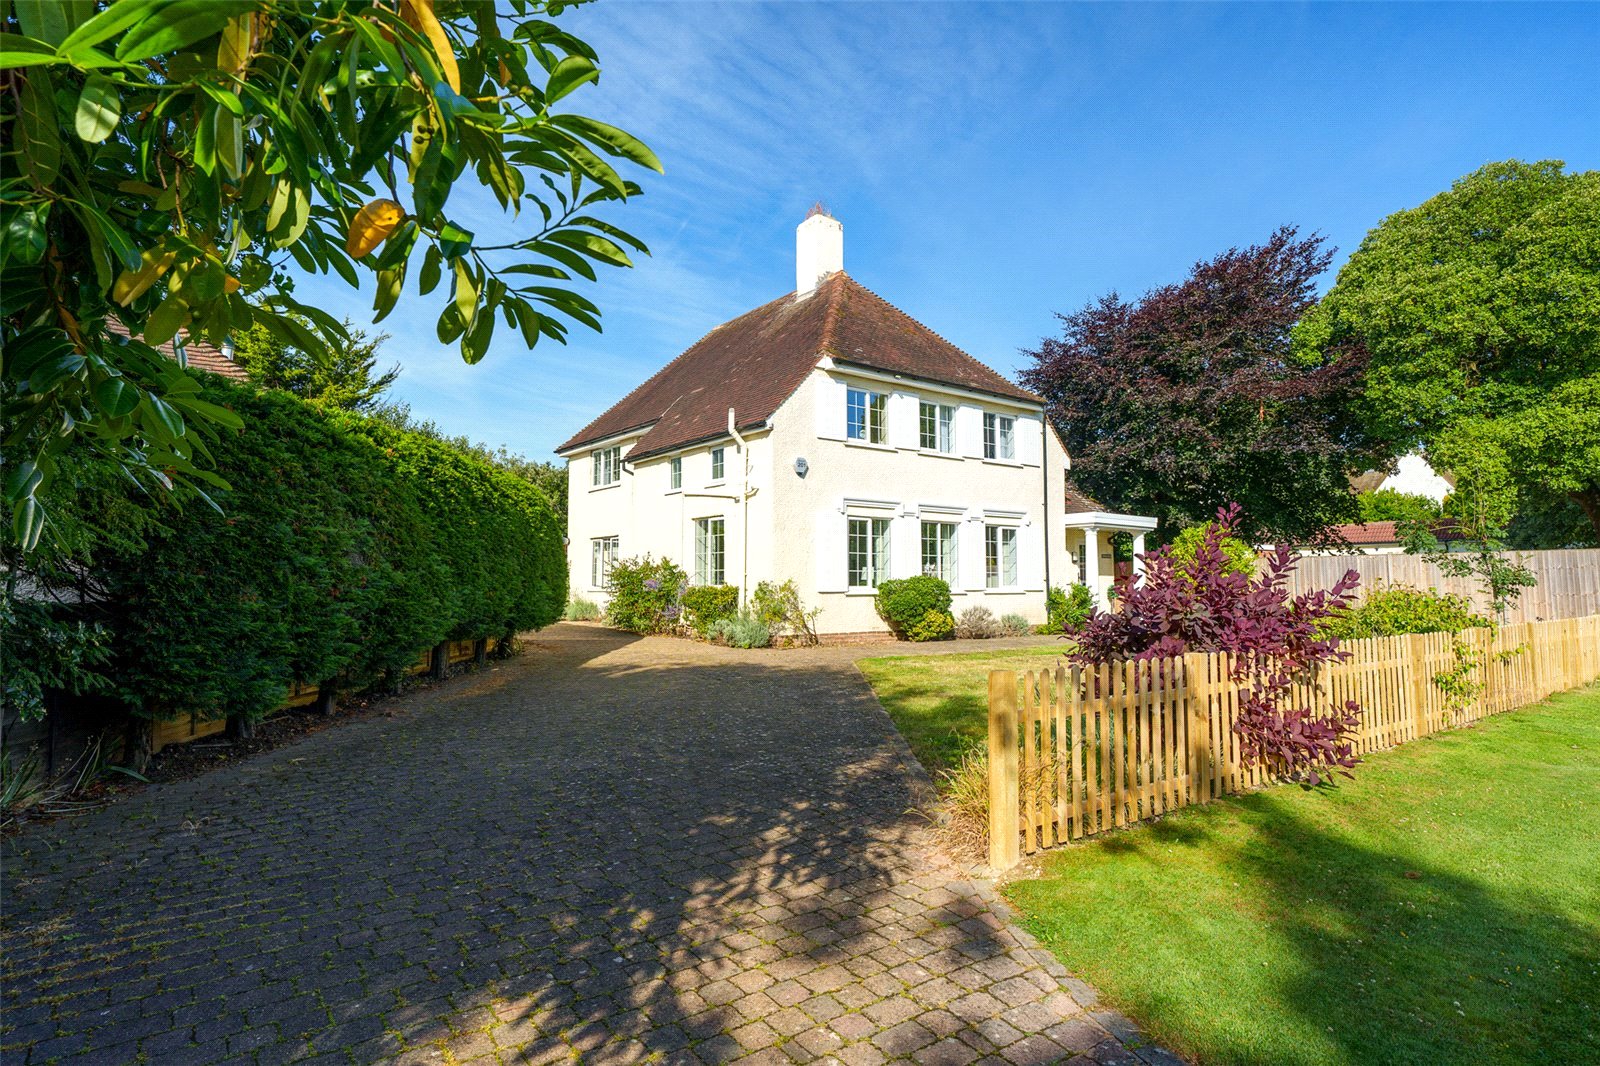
(1130, 523)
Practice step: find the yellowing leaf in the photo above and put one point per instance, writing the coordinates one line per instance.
(420, 17)
(133, 284)
(372, 226)
(233, 49)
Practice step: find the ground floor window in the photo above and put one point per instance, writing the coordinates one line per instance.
(868, 552)
(710, 552)
(999, 557)
(939, 551)
(602, 554)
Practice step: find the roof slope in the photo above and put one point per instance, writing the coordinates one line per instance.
(198, 354)
(756, 361)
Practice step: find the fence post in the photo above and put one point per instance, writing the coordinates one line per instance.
(1005, 791)
(1417, 664)
(1197, 690)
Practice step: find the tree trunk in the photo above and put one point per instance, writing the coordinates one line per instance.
(242, 727)
(1590, 502)
(439, 666)
(327, 697)
(480, 651)
(136, 744)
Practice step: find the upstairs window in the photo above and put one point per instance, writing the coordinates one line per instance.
(1000, 557)
(936, 427)
(868, 552)
(999, 437)
(864, 416)
(710, 547)
(939, 551)
(677, 473)
(608, 466)
(719, 466)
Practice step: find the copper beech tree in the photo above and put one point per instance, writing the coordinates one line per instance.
(1275, 641)
(165, 161)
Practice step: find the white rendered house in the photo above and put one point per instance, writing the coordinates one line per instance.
(829, 439)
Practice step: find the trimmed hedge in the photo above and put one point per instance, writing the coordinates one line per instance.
(706, 605)
(345, 546)
(1396, 610)
(905, 602)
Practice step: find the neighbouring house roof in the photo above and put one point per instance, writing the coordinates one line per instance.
(756, 361)
(199, 354)
(1358, 533)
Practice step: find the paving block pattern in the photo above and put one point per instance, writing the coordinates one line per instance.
(608, 850)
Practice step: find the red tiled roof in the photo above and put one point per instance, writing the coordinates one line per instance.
(197, 353)
(1388, 532)
(1079, 501)
(756, 361)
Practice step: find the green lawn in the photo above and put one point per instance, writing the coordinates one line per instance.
(940, 702)
(1444, 907)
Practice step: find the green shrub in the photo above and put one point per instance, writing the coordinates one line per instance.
(1241, 558)
(779, 606)
(742, 630)
(706, 605)
(1014, 625)
(646, 595)
(345, 546)
(903, 602)
(582, 610)
(935, 625)
(977, 623)
(1395, 610)
(1066, 610)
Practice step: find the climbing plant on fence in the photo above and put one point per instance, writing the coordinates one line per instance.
(345, 546)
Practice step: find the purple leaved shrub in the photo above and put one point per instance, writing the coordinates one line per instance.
(1274, 641)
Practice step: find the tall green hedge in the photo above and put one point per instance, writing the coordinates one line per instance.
(345, 546)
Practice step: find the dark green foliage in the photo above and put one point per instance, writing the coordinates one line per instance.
(1391, 505)
(345, 547)
(706, 605)
(646, 595)
(903, 602)
(1392, 611)
(345, 376)
(1066, 610)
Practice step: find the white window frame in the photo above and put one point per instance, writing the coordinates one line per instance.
(936, 422)
(607, 466)
(872, 424)
(1000, 563)
(710, 551)
(945, 543)
(675, 473)
(999, 436)
(874, 552)
(719, 465)
(602, 557)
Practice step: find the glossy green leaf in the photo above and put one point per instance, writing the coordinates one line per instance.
(454, 241)
(570, 73)
(116, 397)
(19, 51)
(610, 139)
(40, 142)
(99, 109)
(176, 25)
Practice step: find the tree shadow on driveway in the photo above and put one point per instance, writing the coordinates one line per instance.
(603, 850)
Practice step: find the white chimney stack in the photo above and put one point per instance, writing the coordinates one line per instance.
(818, 250)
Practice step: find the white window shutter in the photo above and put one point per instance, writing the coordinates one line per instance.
(969, 555)
(903, 413)
(969, 432)
(1030, 441)
(830, 401)
(830, 545)
(905, 546)
(1030, 557)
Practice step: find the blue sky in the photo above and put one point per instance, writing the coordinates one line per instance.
(995, 164)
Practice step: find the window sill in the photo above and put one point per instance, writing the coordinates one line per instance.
(933, 453)
(850, 443)
(715, 484)
(602, 488)
(675, 492)
(860, 592)
(1004, 462)
(1009, 590)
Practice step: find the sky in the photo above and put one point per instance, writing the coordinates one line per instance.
(994, 164)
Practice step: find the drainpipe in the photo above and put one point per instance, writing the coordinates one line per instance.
(744, 516)
(1044, 466)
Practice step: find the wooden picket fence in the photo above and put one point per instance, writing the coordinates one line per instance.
(1076, 751)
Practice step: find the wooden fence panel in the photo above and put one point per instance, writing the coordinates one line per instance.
(1077, 751)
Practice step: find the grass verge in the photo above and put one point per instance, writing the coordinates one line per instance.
(1443, 907)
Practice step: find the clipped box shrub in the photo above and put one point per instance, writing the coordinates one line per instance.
(706, 605)
(905, 602)
(935, 625)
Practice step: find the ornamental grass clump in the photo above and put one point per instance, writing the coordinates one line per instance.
(1276, 641)
(742, 630)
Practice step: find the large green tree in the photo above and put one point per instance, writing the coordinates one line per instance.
(166, 160)
(1480, 314)
(346, 377)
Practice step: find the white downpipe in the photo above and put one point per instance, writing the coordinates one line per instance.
(744, 515)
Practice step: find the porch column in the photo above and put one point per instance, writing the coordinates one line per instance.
(1138, 558)
(1091, 565)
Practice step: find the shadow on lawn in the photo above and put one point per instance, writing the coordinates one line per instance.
(1402, 963)
(587, 855)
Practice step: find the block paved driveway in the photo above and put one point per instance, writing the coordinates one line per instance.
(606, 850)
